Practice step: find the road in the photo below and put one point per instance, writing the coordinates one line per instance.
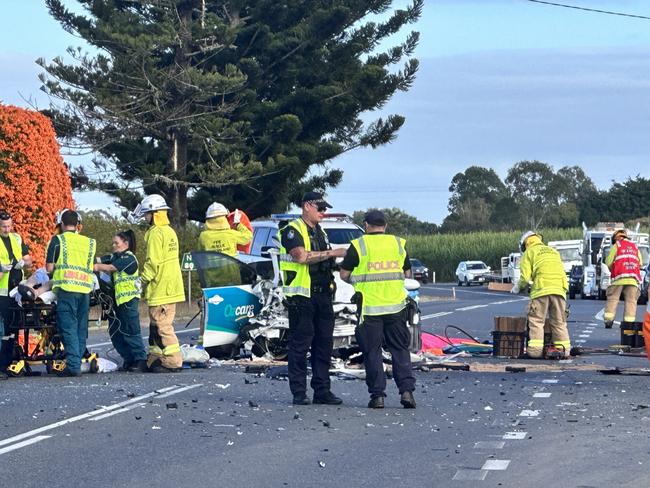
(565, 426)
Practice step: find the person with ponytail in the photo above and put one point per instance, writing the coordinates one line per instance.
(124, 318)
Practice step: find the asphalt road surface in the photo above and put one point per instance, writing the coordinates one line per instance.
(563, 425)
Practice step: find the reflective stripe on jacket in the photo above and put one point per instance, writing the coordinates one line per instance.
(127, 286)
(73, 269)
(379, 276)
(301, 282)
(17, 250)
(543, 266)
(161, 271)
(624, 262)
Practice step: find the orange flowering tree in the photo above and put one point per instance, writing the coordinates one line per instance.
(34, 180)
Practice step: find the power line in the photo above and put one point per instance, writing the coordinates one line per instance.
(608, 12)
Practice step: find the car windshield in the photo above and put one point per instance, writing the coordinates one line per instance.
(216, 269)
(572, 254)
(338, 235)
(476, 266)
(416, 263)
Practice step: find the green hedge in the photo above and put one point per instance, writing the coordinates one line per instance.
(441, 253)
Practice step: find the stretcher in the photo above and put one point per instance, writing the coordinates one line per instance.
(33, 323)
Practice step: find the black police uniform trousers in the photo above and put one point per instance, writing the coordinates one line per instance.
(6, 346)
(389, 329)
(311, 326)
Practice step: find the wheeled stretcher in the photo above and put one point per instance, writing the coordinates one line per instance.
(33, 324)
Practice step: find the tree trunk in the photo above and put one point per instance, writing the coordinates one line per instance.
(177, 168)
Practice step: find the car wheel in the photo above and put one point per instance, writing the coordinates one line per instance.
(466, 282)
(572, 295)
(460, 283)
(602, 295)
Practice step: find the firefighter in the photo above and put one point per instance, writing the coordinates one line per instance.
(306, 261)
(70, 258)
(14, 256)
(624, 262)
(218, 236)
(163, 282)
(376, 264)
(124, 320)
(542, 265)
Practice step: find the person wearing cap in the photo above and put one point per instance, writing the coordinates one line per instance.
(14, 256)
(542, 266)
(624, 263)
(161, 276)
(376, 265)
(306, 261)
(70, 259)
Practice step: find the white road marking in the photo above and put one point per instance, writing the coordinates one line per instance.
(552, 381)
(179, 390)
(584, 335)
(542, 395)
(471, 307)
(509, 301)
(511, 436)
(459, 290)
(496, 464)
(115, 412)
(529, 413)
(580, 341)
(439, 314)
(28, 442)
(86, 415)
(489, 445)
(101, 344)
(470, 475)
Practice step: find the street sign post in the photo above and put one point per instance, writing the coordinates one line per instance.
(188, 265)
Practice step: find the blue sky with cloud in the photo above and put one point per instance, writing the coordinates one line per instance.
(500, 81)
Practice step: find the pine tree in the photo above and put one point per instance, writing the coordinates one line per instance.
(233, 101)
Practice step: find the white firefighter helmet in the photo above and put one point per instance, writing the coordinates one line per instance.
(525, 236)
(150, 203)
(216, 210)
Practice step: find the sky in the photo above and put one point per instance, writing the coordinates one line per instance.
(500, 81)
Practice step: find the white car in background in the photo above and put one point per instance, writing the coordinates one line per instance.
(470, 272)
(340, 230)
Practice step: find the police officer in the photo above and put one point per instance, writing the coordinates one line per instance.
(14, 256)
(306, 260)
(161, 275)
(70, 257)
(376, 264)
(542, 266)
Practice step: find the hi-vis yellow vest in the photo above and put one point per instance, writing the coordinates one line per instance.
(17, 250)
(379, 276)
(127, 286)
(73, 270)
(301, 283)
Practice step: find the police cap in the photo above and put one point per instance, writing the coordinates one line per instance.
(375, 217)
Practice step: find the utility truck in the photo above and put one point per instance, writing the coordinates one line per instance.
(592, 257)
(510, 268)
(569, 253)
